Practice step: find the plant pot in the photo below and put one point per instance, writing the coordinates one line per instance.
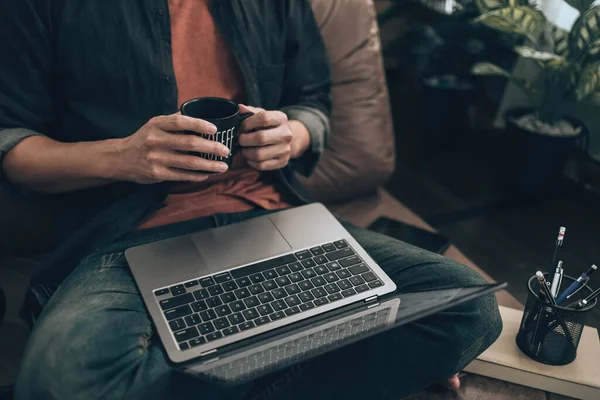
(532, 163)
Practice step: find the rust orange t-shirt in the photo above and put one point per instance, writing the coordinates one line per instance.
(204, 66)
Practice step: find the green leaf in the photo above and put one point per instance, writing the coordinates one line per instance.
(529, 52)
(489, 69)
(589, 81)
(525, 21)
(584, 39)
(560, 40)
(489, 5)
(580, 5)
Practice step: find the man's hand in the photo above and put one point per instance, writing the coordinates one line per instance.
(271, 140)
(158, 151)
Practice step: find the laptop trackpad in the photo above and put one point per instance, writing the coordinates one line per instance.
(238, 244)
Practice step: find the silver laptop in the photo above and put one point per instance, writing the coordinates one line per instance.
(208, 291)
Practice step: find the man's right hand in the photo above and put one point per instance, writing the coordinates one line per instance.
(158, 152)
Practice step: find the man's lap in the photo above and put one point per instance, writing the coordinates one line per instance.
(95, 338)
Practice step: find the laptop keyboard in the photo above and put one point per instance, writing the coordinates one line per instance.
(227, 303)
(303, 346)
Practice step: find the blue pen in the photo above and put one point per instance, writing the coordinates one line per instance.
(577, 285)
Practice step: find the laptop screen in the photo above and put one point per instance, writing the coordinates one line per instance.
(300, 342)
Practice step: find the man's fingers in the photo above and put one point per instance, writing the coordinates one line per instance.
(191, 163)
(267, 152)
(266, 137)
(264, 119)
(269, 165)
(179, 175)
(178, 122)
(183, 142)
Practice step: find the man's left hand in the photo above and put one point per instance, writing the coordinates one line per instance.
(269, 140)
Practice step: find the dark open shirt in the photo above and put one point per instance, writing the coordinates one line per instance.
(83, 70)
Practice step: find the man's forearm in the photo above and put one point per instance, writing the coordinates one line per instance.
(44, 165)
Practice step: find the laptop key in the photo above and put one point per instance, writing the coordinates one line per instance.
(318, 281)
(256, 289)
(361, 288)
(329, 247)
(208, 315)
(303, 255)
(264, 309)
(263, 266)
(320, 259)
(197, 341)
(237, 306)
(262, 320)
(279, 293)
(357, 280)
(178, 312)
(343, 274)
(334, 266)
(223, 277)
(338, 254)
(279, 305)
(214, 302)
(321, 301)
(332, 288)
(243, 282)
(309, 273)
(221, 323)
(177, 290)
(269, 285)
(317, 251)
(215, 290)
(230, 331)
(321, 269)
(206, 328)
(346, 262)
(265, 297)
(295, 267)
(246, 325)
(176, 301)
(292, 301)
(250, 314)
(184, 346)
(282, 271)
(345, 284)
(319, 292)
(307, 306)
(335, 297)
(213, 336)
(223, 310)
(242, 293)
(257, 278)
(292, 311)
(186, 334)
(236, 318)
(292, 289)
(191, 284)
(358, 269)
(229, 286)
(270, 274)
(206, 282)
(348, 292)
(283, 281)
(375, 284)
(228, 298)
(331, 277)
(308, 263)
(201, 294)
(306, 296)
(340, 244)
(306, 285)
(177, 324)
(161, 292)
(295, 277)
(192, 320)
(369, 276)
(277, 315)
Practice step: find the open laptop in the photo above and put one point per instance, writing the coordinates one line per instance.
(208, 291)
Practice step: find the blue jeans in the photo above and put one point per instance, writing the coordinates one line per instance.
(95, 339)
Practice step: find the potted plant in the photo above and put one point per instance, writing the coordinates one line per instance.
(540, 137)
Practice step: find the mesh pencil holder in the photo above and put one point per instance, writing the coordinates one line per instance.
(550, 334)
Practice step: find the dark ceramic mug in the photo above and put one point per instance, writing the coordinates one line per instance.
(222, 113)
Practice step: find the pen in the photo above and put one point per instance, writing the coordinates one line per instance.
(559, 242)
(540, 277)
(577, 285)
(556, 280)
(592, 296)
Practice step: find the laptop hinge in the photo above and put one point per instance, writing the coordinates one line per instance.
(208, 352)
(371, 299)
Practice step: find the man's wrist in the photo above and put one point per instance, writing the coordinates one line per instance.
(301, 138)
(109, 160)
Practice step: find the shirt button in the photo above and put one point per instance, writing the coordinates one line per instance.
(168, 79)
(161, 12)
